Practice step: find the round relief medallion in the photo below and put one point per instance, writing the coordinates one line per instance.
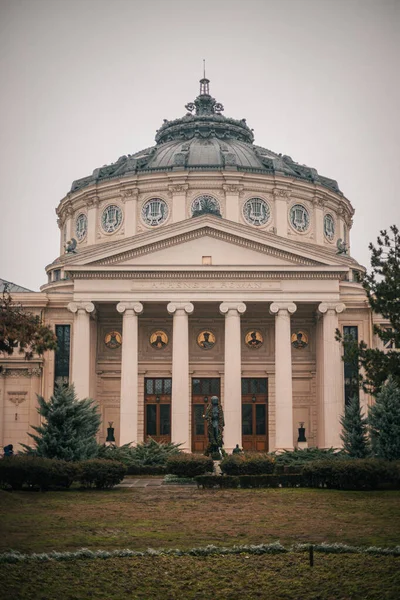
(81, 226)
(205, 204)
(329, 227)
(206, 339)
(154, 212)
(158, 339)
(254, 339)
(299, 217)
(256, 211)
(111, 218)
(299, 340)
(113, 340)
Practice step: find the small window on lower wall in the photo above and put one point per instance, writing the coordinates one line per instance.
(62, 354)
(350, 369)
(206, 260)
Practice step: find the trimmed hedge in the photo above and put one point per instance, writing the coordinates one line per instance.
(35, 472)
(146, 469)
(352, 474)
(101, 473)
(247, 464)
(249, 481)
(189, 465)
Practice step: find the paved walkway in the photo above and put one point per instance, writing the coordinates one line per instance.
(151, 482)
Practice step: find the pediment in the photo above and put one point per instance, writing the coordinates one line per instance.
(186, 243)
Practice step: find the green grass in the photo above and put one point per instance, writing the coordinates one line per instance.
(336, 577)
(139, 518)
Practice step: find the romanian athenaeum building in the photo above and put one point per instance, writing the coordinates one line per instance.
(204, 265)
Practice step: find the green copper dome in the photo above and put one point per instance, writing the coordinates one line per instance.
(204, 139)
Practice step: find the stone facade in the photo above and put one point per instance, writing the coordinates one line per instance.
(269, 293)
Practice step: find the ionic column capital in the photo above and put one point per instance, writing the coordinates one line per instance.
(176, 307)
(74, 307)
(125, 307)
(338, 307)
(225, 307)
(276, 307)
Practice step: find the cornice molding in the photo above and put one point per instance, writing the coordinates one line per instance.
(247, 275)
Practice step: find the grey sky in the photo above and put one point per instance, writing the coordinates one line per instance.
(86, 81)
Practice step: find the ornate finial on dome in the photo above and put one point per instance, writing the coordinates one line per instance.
(204, 103)
(204, 83)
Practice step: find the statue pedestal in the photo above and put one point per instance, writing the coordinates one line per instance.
(302, 445)
(217, 468)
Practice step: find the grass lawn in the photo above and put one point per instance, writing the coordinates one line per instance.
(167, 517)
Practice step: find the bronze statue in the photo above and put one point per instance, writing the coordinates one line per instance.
(215, 426)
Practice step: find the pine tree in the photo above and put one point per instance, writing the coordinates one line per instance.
(382, 285)
(355, 433)
(384, 422)
(70, 427)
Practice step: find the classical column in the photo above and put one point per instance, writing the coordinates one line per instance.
(81, 347)
(128, 419)
(232, 195)
(232, 374)
(331, 375)
(283, 375)
(92, 209)
(180, 423)
(130, 198)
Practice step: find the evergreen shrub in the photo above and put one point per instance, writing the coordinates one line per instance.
(352, 474)
(145, 454)
(101, 474)
(135, 469)
(287, 460)
(189, 465)
(247, 464)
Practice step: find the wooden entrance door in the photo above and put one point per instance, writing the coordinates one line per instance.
(157, 408)
(255, 413)
(202, 390)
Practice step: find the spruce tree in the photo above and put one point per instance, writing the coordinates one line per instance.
(384, 422)
(354, 433)
(69, 428)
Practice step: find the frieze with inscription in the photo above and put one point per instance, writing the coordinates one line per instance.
(206, 285)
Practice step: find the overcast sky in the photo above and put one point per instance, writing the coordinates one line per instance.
(86, 81)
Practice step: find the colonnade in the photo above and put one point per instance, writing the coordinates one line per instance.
(330, 388)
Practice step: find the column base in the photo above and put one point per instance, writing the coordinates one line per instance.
(281, 450)
(302, 445)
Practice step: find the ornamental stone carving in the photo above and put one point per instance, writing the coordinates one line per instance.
(230, 188)
(178, 188)
(280, 193)
(225, 307)
(136, 307)
(174, 307)
(93, 201)
(17, 397)
(338, 307)
(276, 307)
(74, 307)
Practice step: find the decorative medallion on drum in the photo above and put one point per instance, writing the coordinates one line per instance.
(299, 340)
(329, 227)
(256, 211)
(113, 340)
(205, 205)
(158, 339)
(154, 212)
(81, 227)
(254, 339)
(111, 218)
(206, 339)
(299, 218)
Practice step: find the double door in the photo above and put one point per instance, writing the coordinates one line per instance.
(255, 414)
(157, 402)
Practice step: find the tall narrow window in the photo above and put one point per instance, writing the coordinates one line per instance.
(350, 369)
(62, 355)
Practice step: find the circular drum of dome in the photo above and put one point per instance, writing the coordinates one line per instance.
(256, 211)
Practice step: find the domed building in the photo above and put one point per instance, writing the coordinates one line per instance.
(204, 265)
